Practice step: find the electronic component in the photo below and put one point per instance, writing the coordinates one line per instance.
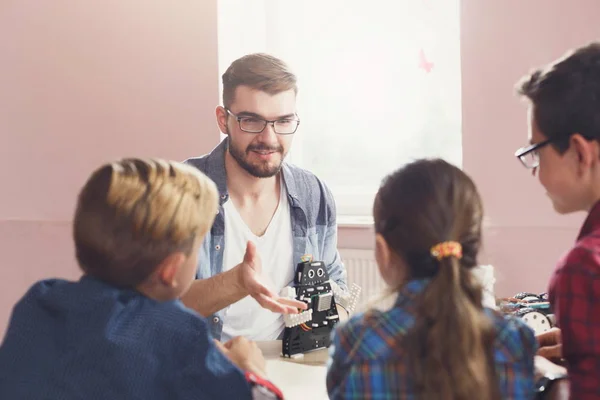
(532, 308)
(311, 329)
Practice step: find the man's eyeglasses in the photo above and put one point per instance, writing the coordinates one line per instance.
(252, 124)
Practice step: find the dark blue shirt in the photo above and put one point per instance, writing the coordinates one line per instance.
(89, 340)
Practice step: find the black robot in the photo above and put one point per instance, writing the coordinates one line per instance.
(311, 329)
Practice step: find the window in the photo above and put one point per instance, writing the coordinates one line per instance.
(379, 83)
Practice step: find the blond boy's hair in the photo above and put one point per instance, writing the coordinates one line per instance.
(133, 213)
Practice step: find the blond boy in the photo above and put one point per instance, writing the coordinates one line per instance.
(120, 332)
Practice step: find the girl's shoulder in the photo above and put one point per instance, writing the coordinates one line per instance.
(514, 339)
(373, 334)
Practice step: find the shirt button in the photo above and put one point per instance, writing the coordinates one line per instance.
(218, 247)
(216, 320)
(223, 196)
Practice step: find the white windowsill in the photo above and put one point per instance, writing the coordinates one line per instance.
(355, 221)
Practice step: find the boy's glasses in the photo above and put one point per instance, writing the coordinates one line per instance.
(530, 156)
(251, 124)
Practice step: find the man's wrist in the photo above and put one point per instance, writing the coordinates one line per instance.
(238, 281)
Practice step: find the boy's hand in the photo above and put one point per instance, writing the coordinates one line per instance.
(543, 367)
(245, 354)
(249, 279)
(550, 344)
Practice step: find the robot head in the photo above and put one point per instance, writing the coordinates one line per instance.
(311, 273)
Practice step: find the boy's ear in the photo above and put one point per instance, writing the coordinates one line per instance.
(168, 269)
(587, 150)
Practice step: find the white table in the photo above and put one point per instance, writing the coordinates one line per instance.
(299, 379)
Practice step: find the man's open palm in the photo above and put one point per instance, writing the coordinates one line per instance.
(250, 270)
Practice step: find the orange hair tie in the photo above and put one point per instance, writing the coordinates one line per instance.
(447, 249)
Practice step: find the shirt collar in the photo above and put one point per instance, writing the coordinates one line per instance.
(592, 222)
(410, 291)
(216, 170)
(95, 285)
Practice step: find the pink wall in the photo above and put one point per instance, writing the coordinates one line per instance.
(501, 40)
(83, 83)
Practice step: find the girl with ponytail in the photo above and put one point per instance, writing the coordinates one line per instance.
(437, 341)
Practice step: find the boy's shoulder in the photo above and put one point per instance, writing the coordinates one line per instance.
(89, 301)
(578, 269)
(44, 286)
(584, 256)
(41, 290)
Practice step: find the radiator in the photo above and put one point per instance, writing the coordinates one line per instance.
(362, 270)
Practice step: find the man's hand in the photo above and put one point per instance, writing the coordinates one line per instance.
(550, 344)
(249, 280)
(245, 354)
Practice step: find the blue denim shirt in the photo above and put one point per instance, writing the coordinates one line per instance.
(313, 217)
(90, 340)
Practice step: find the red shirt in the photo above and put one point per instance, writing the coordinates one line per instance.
(575, 298)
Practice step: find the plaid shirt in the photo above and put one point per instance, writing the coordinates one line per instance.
(574, 294)
(368, 361)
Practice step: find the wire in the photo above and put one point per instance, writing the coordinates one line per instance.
(305, 327)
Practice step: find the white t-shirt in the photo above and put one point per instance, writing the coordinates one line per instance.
(275, 248)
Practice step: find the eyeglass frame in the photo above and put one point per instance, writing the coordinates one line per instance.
(266, 121)
(523, 151)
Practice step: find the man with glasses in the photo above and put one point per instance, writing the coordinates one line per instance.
(564, 151)
(271, 212)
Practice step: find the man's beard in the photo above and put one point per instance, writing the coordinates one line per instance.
(261, 169)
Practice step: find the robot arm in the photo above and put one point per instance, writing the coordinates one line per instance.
(291, 320)
(346, 299)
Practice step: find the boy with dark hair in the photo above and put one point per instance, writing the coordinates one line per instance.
(564, 151)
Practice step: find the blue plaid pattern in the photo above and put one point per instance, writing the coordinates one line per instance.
(88, 340)
(313, 215)
(368, 361)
